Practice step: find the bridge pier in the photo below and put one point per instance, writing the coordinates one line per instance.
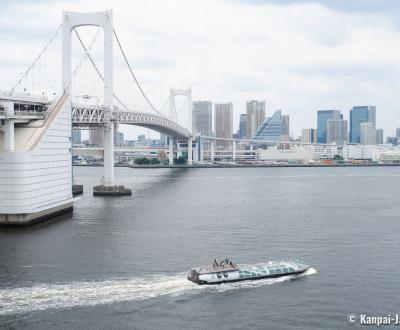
(201, 149)
(190, 151)
(234, 151)
(109, 155)
(171, 151)
(9, 135)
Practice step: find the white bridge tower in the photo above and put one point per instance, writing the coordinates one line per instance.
(188, 110)
(104, 20)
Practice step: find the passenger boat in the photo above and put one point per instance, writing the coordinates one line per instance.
(226, 271)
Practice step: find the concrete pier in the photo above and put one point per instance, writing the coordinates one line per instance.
(111, 191)
(77, 189)
(28, 219)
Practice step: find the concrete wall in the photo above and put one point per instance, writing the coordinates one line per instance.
(37, 176)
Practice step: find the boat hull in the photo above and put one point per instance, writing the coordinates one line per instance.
(217, 275)
(205, 282)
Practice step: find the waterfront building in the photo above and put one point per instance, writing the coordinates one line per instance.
(141, 137)
(242, 126)
(357, 151)
(255, 111)
(163, 139)
(270, 129)
(303, 154)
(76, 136)
(120, 139)
(322, 123)
(96, 137)
(325, 151)
(358, 115)
(398, 133)
(202, 118)
(379, 136)
(223, 119)
(337, 131)
(309, 135)
(367, 133)
(285, 135)
(392, 140)
(389, 155)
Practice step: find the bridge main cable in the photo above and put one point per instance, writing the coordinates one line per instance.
(133, 75)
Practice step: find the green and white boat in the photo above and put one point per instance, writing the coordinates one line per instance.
(225, 271)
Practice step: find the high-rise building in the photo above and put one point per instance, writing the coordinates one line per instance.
(398, 133)
(76, 136)
(337, 131)
(322, 123)
(392, 140)
(202, 118)
(358, 115)
(255, 111)
(141, 137)
(271, 129)
(223, 119)
(163, 139)
(96, 137)
(242, 126)
(379, 136)
(120, 140)
(309, 135)
(285, 136)
(367, 133)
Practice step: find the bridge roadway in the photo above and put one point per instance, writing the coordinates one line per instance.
(89, 116)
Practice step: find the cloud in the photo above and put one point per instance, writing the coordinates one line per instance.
(353, 6)
(300, 56)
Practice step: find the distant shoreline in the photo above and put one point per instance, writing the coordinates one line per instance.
(247, 165)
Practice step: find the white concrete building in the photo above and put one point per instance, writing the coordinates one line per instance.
(367, 133)
(325, 151)
(302, 153)
(358, 151)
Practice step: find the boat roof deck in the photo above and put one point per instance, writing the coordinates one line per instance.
(226, 268)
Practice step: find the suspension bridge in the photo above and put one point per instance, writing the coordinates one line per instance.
(37, 115)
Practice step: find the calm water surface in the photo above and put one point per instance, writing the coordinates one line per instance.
(121, 262)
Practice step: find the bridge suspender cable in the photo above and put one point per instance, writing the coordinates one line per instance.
(134, 77)
(96, 68)
(36, 60)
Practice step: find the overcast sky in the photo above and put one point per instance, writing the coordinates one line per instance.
(299, 56)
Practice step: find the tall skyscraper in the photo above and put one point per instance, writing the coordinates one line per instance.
(367, 133)
(202, 118)
(255, 111)
(379, 136)
(285, 135)
(337, 131)
(398, 133)
(96, 137)
(120, 140)
(242, 126)
(270, 129)
(358, 115)
(76, 136)
(309, 135)
(223, 119)
(322, 123)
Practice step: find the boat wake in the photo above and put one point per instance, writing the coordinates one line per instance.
(91, 293)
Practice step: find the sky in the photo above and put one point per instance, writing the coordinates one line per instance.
(300, 56)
